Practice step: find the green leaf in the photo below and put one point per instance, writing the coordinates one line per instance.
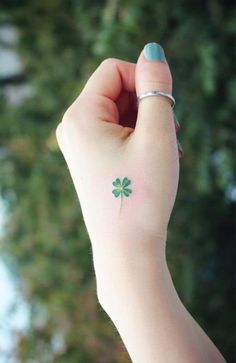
(118, 181)
(125, 182)
(116, 192)
(127, 192)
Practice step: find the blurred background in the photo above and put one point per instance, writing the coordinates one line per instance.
(48, 307)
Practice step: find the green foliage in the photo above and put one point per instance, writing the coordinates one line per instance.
(61, 42)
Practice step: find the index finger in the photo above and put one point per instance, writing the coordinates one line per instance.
(110, 78)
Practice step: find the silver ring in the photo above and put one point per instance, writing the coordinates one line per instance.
(157, 93)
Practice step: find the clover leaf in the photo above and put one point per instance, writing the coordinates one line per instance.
(121, 188)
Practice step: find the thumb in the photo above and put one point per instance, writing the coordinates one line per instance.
(155, 115)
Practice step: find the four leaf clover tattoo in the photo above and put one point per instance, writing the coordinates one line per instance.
(121, 189)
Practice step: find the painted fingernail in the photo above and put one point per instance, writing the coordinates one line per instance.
(177, 125)
(181, 151)
(154, 52)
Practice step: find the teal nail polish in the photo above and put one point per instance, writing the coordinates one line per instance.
(154, 52)
(181, 151)
(176, 122)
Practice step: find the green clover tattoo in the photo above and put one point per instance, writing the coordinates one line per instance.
(121, 189)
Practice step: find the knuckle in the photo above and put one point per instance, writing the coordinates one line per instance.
(108, 62)
(164, 85)
(75, 121)
(73, 114)
(59, 132)
(69, 115)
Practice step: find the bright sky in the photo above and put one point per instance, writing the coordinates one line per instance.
(10, 62)
(16, 320)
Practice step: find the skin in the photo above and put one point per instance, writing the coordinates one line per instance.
(103, 137)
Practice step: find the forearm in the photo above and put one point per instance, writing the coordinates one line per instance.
(138, 294)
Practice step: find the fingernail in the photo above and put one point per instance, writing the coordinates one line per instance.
(154, 52)
(177, 125)
(181, 151)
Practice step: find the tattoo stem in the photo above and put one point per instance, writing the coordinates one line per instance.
(121, 201)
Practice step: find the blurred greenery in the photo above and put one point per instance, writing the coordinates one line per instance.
(46, 245)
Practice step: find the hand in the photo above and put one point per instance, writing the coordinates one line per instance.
(125, 168)
(106, 142)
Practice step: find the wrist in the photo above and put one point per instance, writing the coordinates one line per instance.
(121, 244)
(128, 269)
(134, 287)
